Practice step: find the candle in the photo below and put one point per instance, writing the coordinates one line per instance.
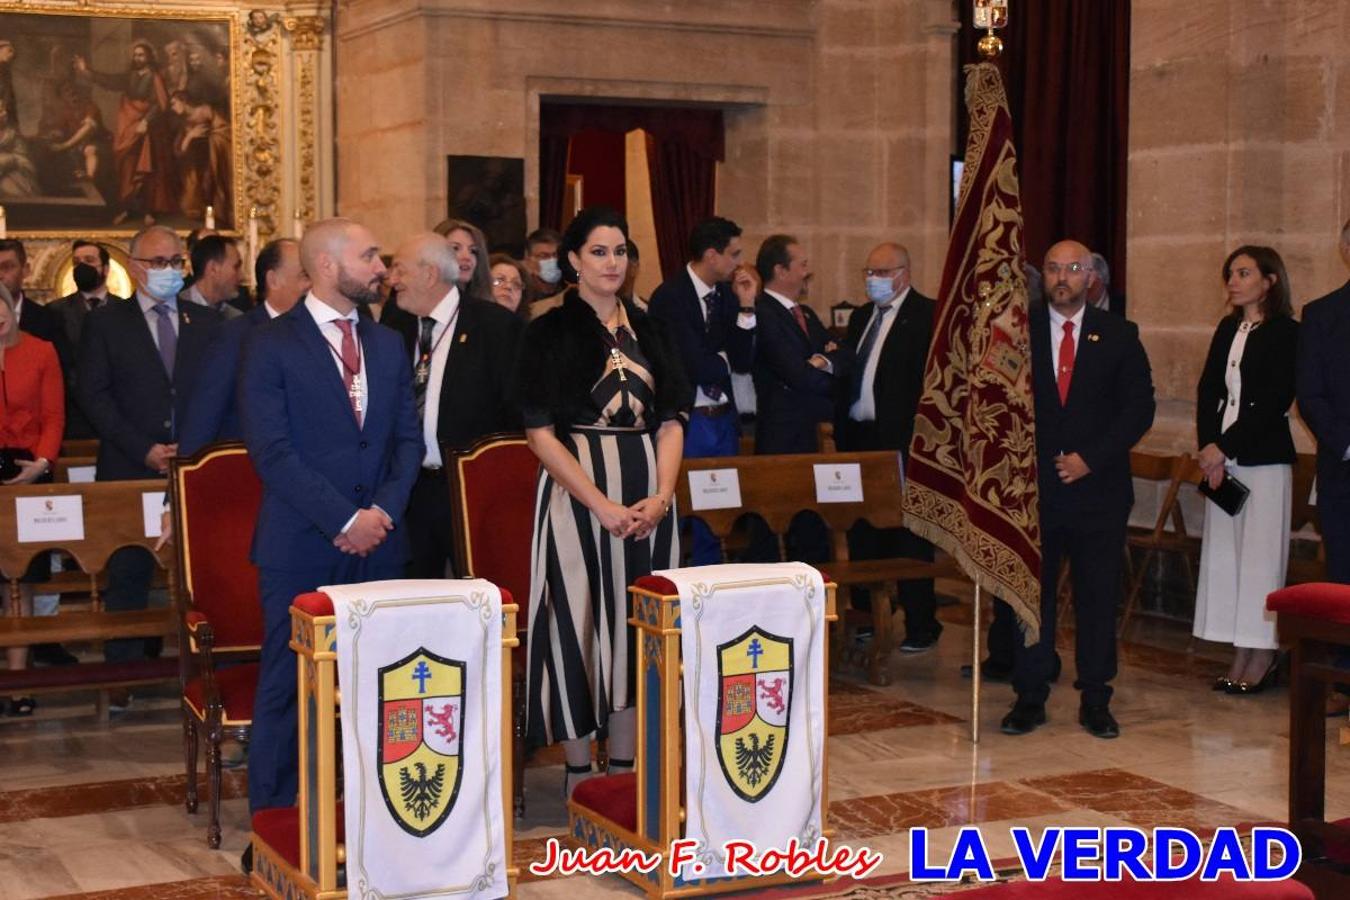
(299, 227)
(252, 238)
(210, 218)
(4, 226)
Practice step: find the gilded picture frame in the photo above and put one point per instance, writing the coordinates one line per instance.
(115, 118)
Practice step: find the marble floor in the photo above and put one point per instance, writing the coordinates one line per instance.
(96, 810)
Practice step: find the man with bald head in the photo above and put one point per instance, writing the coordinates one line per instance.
(139, 363)
(888, 340)
(463, 352)
(1094, 401)
(326, 401)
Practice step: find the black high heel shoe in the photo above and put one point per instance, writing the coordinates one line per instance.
(1271, 678)
(1222, 683)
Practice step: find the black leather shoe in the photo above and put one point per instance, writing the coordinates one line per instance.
(246, 861)
(1098, 721)
(1024, 718)
(990, 671)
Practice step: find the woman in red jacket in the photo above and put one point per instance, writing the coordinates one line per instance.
(32, 417)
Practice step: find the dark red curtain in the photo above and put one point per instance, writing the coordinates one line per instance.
(683, 148)
(1066, 65)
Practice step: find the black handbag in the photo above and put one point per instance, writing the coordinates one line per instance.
(1230, 496)
(9, 461)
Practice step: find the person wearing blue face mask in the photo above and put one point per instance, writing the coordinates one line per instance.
(138, 361)
(889, 340)
(541, 258)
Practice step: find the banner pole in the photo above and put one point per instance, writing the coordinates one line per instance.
(975, 675)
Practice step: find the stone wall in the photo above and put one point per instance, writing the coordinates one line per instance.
(838, 112)
(1239, 133)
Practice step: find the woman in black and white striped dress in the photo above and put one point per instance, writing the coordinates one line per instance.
(604, 402)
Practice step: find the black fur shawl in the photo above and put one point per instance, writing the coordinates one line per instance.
(564, 353)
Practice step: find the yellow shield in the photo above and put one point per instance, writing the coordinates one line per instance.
(421, 738)
(753, 706)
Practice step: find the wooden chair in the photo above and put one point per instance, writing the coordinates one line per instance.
(1175, 471)
(216, 495)
(492, 488)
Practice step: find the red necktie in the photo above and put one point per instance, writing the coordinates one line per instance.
(351, 366)
(1065, 375)
(801, 318)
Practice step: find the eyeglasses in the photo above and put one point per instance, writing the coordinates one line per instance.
(161, 262)
(884, 273)
(1072, 268)
(503, 282)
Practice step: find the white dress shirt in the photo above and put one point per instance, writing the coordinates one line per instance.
(743, 320)
(444, 315)
(1057, 320)
(864, 409)
(272, 312)
(148, 305)
(327, 318)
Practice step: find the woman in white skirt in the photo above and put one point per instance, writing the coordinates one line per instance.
(1242, 422)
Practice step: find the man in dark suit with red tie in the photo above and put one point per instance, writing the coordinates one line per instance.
(796, 363)
(1094, 400)
(326, 400)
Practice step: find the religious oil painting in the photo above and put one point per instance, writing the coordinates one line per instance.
(113, 121)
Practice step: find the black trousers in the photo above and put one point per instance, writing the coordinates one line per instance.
(430, 525)
(130, 571)
(1093, 545)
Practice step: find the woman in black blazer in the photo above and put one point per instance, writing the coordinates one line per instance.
(1242, 422)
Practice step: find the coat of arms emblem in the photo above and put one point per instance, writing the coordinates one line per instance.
(421, 736)
(754, 700)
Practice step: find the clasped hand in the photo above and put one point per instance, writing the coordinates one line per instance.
(1212, 461)
(636, 521)
(366, 533)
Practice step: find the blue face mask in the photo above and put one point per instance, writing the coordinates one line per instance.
(549, 271)
(880, 289)
(164, 284)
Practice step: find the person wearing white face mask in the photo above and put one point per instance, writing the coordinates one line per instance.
(888, 339)
(541, 258)
(139, 361)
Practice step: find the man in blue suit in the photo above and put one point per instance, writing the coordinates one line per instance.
(326, 400)
(212, 414)
(709, 309)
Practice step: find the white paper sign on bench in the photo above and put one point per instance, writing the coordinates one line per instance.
(44, 519)
(715, 489)
(838, 483)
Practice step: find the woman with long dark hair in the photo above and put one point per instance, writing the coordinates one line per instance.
(1242, 421)
(604, 402)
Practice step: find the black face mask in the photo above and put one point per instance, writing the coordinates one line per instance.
(87, 278)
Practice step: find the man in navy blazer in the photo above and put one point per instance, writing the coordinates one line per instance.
(327, 405)
(1324, 400)
(709, 309)
(212, 414)
(139, 361)
(796, 363)
(1093, 393)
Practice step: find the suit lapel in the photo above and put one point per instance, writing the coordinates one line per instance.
(1042, 360)
(323, 359)
(1086, 357)
(192, 338)
(464, 333)
(138, 330)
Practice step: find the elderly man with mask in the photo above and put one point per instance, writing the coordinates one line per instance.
(888, 340)
(139, 362)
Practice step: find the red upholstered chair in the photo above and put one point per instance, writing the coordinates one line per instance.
(1314, 620)
(216, 495)
(492, 486)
